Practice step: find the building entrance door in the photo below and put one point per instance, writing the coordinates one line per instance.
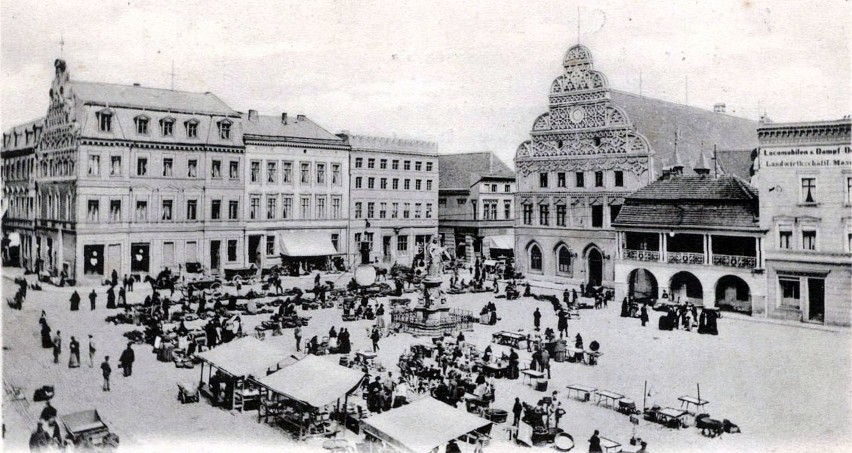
(93, 259)
(113, 259)
(140, 257)
(253, 249)
(595, 267)
(816, 300)
(386, 249)
(215, 255)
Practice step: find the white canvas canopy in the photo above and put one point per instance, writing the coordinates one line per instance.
(243, 357)
(502, 242)
(314, 381)
(306, 244)
(422, 425)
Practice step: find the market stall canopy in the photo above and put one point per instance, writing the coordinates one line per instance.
(244, 356)
(502, 242)
(314, 381)
(307, 243)
(422, 425)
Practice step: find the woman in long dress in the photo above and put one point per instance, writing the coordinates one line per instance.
(74, 360)
(46, 339)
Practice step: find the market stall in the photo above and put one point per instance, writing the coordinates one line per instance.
(234, 363)
(300, 396)
(425, 425)
(305, 251)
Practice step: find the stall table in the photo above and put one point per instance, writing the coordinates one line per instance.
(508, 338)
(581, 389)
(609, 445)
(690, 401)
(609, 398)
(530, 374)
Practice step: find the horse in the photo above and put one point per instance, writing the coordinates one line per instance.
(381, 273)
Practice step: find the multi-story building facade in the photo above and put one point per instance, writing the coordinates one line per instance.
(296, 192)
(137, 179)
(696, 237)
(394, 189)
(476, 206)
(594, 147)
(804, 173)
(19, 212)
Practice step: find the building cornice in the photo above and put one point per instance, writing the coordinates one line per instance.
(163, 146)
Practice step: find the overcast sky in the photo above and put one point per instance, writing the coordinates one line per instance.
(471, 75)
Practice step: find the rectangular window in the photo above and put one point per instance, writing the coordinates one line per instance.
(417, 184)
(599, 182)
(225, 130)
(619, 179)
(192, 129)
(613, 212)
(271, 206)
(507, 188)
(358, 180)
(320, 173)
(785, 239)
(357, 238)
(407, 185)
(191, 209)
(115, 210)
(428, 184)
(167, 210)
(142, 126)
(335, 175)
(234, 169)
(94, 165)
(790, 292)
(168, 166)
(406, 210)
(306, 207)
(233, 210)
(395, 184)
(395, 211)
(255, 171)
(543, 214)
(371, 163)
(542, 179)
(848, 190)
(287, 207)
(192, 168)
(809, 240)
(580, 179)
(167, 128)
(383, 164)
(418, 165)
(507, 209)
(335, 241)
(271, 172)
(395, 165)
(475, 209)
(428, 210)
(141, 211)
(359, 162)
(371, 183)
(93, 211)
(216, 169)
(383, 183)
(270, 245)
(305, 172)
(428, 166)
(286, 172)
(321, 207)
(597, 216)
(560, 179)
(808, 190)
(494, 187)
(115, 166)
(216, 210)
(528, 214)
(141, 166)
(232, 250)
(402, 243)
(370, 207)
(383, 210)
(335, 207)
(560, 215)
(406, 165)
(417, 210)
(105, 122)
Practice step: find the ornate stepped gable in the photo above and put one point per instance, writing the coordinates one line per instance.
(583, 129)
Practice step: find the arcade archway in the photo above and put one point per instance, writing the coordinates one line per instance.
(685, 287)
(642, 285)
(733, 294)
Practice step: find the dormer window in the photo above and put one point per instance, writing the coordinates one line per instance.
(191, 128)
(105, 120)
(167, 126)
(225, 129)
(142, 124)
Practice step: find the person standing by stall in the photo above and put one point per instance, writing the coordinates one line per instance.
(126, 360)
(375, 337)
(595, 443)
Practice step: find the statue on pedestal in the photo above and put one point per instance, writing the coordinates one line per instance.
(436, 260)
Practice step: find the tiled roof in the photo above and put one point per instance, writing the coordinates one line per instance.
(27, 133)
(461, 171)
(138, 97)
(702, 201)
(699, 129)
(392, 144)
(298, 126)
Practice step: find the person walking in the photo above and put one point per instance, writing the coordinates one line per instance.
(126, 360)
(122, 297)
(75, 301)
(298, 334)
(107, 370)
(644, 315)
(93, 296)
(537, 319)
(74, 356)
(91, 351)
(375, 337)
(57, 346)
(516, 411)
(545, 361)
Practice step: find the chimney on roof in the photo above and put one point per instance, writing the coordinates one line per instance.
(300, 117)
(719, 107)
(252, 115)
(284, 118)
(137, 85)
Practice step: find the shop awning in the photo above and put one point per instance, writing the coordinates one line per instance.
(422, 425)
(504, 242)
(307, 243)
(314, 381)
(243, 357)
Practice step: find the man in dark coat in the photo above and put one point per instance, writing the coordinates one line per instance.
(595, 443)
(126, 360)
(644, 315)
(107, 370)
(516, 411)
(75, 301)
(93, 296)
(537, 319)
(114, 277)
(57, 346)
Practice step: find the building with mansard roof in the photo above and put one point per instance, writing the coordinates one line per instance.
(18, 208)
(591, 149)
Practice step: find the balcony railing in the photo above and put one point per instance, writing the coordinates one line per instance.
(686, 258)
(747, 262)
(642, 255)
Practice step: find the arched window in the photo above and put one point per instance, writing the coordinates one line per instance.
(563, 259)
(535, 258)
